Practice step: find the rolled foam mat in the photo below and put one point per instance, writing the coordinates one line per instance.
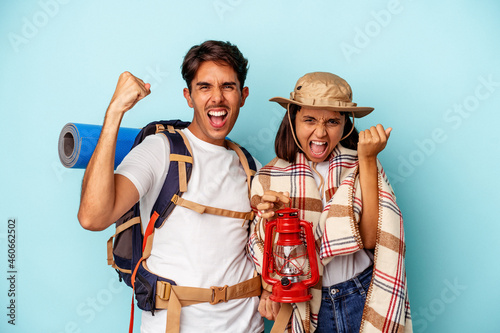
(78, 141)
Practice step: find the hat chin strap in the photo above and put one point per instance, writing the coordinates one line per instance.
(291, 128)
(352, 129)
(293, 132)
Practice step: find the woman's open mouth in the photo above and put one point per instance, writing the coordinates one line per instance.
(318, 148)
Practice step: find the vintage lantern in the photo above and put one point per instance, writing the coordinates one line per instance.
(291, 259)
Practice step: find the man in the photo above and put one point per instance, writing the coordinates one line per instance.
(192, 249)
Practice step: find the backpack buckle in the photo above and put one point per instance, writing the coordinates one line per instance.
(219, 294)
(163, 290)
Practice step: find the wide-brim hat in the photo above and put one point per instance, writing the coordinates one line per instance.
(326, 91)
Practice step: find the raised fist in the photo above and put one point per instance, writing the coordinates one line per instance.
(372, 141)
(129, 90)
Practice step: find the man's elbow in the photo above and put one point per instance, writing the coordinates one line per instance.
(89, 223)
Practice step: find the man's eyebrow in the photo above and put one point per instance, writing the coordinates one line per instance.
(203, 83)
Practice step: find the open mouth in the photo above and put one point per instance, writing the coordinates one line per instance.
(217, 118)
(318, 148)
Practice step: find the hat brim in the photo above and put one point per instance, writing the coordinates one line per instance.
(358, 111)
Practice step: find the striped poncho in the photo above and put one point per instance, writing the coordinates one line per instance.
(387, 307)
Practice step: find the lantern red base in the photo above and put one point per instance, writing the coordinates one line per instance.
(294, 293)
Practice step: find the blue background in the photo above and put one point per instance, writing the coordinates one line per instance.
(430, 68)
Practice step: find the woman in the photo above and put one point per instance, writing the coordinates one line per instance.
(359, 238)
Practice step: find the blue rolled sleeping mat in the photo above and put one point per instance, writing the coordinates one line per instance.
(78, 141)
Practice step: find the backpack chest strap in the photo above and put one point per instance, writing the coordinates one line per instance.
(202, 209)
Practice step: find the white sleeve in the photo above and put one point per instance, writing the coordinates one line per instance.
(146, 163)
(257, 164)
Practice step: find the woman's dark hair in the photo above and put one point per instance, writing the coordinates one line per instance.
(285, 146)
(217, 51)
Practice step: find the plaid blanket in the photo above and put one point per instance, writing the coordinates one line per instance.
(387, 307)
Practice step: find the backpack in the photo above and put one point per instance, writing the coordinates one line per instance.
(130, 244)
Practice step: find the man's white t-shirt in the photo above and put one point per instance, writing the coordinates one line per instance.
(192, 249)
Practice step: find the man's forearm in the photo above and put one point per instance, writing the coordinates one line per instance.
(98, 187)
(105, 197)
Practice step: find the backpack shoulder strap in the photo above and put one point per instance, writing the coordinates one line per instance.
(180, 168)
(179, 172)
(246, 161)
(249, 166)
(126, 246)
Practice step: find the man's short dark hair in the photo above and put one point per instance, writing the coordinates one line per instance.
(217, 51)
